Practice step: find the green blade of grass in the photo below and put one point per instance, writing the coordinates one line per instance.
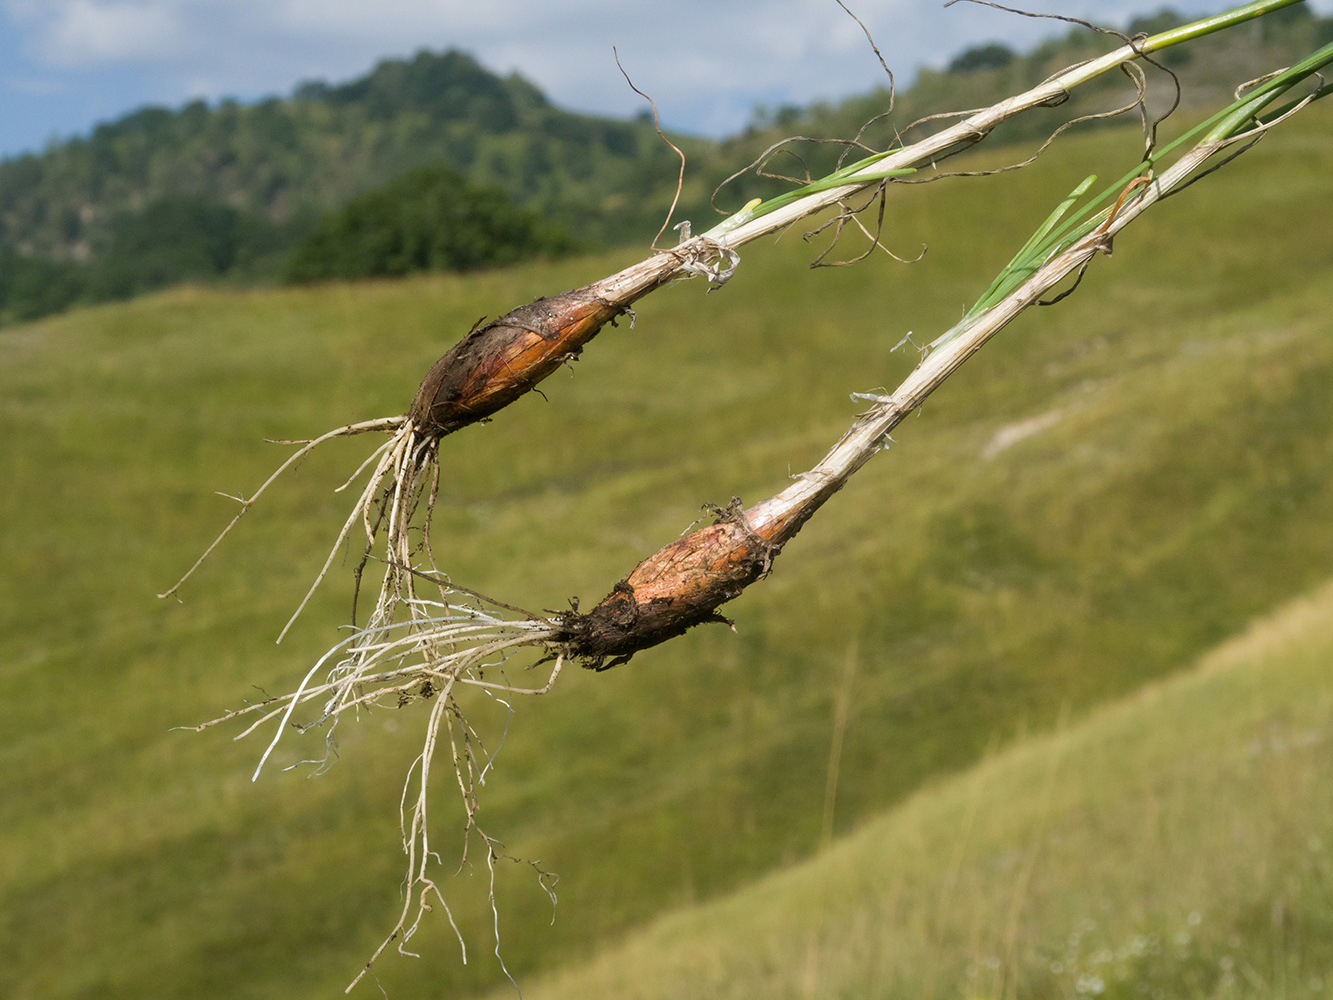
(1221, 127)
(1208, 25)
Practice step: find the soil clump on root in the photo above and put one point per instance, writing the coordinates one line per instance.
(670, 592)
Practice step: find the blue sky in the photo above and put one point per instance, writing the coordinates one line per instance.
(67, 64)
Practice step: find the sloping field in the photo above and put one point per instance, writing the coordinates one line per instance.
(1111, 488)
(1177, 843)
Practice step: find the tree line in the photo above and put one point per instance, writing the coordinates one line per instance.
(433, 162)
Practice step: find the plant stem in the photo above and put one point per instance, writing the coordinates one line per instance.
(777, 213)
(782, 211)
(778, 518)
(1188, 32)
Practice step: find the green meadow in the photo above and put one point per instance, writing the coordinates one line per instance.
(1009, 603)
(1176, 843)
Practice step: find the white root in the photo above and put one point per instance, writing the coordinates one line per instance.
(382, 424)
(442, 645)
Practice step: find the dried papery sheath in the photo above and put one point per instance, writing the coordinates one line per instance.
(495, 364)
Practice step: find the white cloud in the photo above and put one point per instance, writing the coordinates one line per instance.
(36, 86)
(79, 33)
(357, 18)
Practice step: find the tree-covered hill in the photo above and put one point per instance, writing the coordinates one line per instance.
(228, 192)
(288, 161)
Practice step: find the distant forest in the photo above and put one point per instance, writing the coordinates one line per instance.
(336, 180)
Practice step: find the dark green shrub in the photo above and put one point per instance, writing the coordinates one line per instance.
(430, 219)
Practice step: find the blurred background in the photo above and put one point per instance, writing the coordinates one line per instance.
(1039, 705)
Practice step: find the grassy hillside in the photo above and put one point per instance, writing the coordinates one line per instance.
(1177, 844)
(1172, 484)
